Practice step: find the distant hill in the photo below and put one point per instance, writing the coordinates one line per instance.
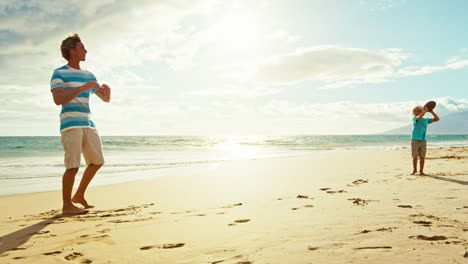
(456, 123)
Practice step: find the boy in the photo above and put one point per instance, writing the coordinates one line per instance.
(418, 136)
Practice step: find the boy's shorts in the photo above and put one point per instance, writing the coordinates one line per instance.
(418, 148)
(82, 140)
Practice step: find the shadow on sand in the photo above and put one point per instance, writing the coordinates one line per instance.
(13, 241)
(447, 179)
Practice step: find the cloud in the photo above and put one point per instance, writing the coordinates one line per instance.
(449, 104)
(337, 67)
(283, 36)
(381, 5)
(331, 65)
(29, 26)
(117, 34)
(452, 64)
(214, 116)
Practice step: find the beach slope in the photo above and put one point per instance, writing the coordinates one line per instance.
(332, 207)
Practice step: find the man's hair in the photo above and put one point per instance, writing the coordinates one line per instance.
(69, 43)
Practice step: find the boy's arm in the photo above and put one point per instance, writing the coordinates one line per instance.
(436, 117)
(421, 115)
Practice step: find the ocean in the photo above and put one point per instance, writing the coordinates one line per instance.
(35, 164)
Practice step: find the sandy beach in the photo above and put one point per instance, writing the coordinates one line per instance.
(333, 207)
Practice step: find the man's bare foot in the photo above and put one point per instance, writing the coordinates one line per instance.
(73, 210)
(414, 172)
(422, 173)
(82, 201)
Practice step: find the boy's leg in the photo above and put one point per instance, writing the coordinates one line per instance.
(421, 166)
(414, 154)
(422, 157)
(92, 151)
(415, 163)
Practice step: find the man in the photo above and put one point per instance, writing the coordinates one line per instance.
(71, 87)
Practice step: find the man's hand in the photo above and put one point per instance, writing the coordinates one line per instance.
(104, 92)
(104, 89)
(89, 85)
(62, 97)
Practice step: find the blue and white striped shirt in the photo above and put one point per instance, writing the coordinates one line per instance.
(76, 113)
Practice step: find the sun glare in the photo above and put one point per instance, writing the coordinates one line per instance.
(238, 32)
(233, 150)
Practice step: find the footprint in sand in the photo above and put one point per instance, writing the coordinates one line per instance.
(232, 205)
(383, 229)
(379, 247)
(119, 221)
(405, 206)
(429, 238)
(155, 213)
(185, 212)
(423, 223)
(304, 197)
(235, 257)
(312, 248)
(305, 206)
(104, 231)
(299, 196)
(337, 191)
(53, 253)
(199, 215)
(360, 181)
(359, 201)
(40, 233)
(18, 248)
(164, 246)
(239, 221)
(73, 256)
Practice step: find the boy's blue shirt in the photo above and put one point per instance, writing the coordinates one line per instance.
(420, 128)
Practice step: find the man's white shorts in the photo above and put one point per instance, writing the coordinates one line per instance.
(82, 140)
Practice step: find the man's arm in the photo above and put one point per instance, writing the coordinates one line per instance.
(436, 117)
(104, 92)
(62, 97)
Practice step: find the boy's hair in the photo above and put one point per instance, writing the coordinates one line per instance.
(69, 43)
(420, 108)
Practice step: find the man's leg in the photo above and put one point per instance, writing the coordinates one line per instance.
(92, 152)
(71, 140)
(88, 175)
(68, 180)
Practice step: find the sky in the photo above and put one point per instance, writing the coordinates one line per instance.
(262, 67)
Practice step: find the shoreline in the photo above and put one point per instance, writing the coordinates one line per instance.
(339, 207)
(108, 176)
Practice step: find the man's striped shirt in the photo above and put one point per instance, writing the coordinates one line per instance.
(76, 113)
